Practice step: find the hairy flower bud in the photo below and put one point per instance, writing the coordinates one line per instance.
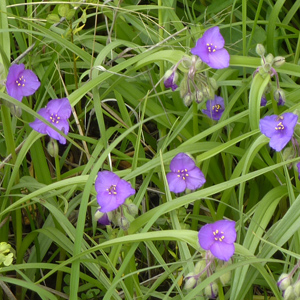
(211, 291)
(191, 281)
(15, 111)
(288, 153)
(279, 96)
(200, 266)
(289, 293)
(132, 209)
(296, 287)
(213, 83)
(278, 61)
(52, 147)
(188, 99)
(260, 49)
(270, 59)
(123, 223)
(284, 281)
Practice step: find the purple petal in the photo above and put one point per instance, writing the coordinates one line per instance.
(124, 190)
(169, 82)
(63, 125)
(206, 237)
(222, 250)
(213, 36)
(195, 179)
(61, 107)
(228, 229)
(31, 84)
(263, 101)
(176, 184)
(215, 108)
(182, 161)
(105, 180)
(298, 168)
(107, 202)
(104, 220)
(39, 125)
(219, 59)
(201, 50)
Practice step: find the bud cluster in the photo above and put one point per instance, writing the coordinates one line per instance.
(195, 85)
(290, 288)
(268, 63)
(203, 269)
(117, 216)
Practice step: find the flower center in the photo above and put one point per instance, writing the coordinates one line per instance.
(216, 107)
(20, 81)
(211, 48)
(219, 235)
(112, 190)
(182, 173)
(54, 118)
(279, 126)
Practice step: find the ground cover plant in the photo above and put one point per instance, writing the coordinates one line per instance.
(149, 149)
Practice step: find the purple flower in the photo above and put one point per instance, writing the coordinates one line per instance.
(57, 111)
(279, 129)
(104, 220)
(169, 81)
(215, 108)
(184, 174)
(21, 82)
(263, 101)
(218, 238)
(210, 48)
(112, 191)
(298, 168)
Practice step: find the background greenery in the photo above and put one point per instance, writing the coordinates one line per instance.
(109, 58)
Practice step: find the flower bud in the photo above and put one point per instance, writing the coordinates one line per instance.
(170, 80)
(211, 291)
(269, 59)
(191, 281)
(4, 247)
(278, 61)
(199, 64)
(279, 96)
(52, 147)
(284, 281)
(188, 99)
(225, 278)
(289, 293)
(263, 101)
(15, 111)
(288, 153)
(213, 83)
(296, 287)
(186, 62)
(183, 87)
(200, 266)
(132, 209)
(123, 223)
(199, 96)
(260, 49)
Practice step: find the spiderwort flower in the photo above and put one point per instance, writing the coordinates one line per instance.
(21, 82)
(279, 129)
(170, 79)
(210, 48)
(184, 174)
(298, 168)
(215, 108)
(57, 112)
(218, 238)
(112, 191)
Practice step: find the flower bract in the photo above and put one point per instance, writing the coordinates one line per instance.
(184, 174)
(210, 49)
(279, 129)
(57, 112)
(218, 238)
(21, 82)
(112, 191)
(214, 108)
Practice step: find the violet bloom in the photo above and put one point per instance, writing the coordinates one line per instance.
(279, 129)
(104, 220)
(218, 238)
(21, 82)
(210, 48)
(112, 191)
(169, 81)
(57, 112)
(184, 174)
(298, 168)
(215, 108)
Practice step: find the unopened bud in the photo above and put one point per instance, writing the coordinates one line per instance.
(289, 293)
(52, 147)
(123, 223)
(260, 49)
(190, 282)
(213, 83)
(296, 287)
(15, 111)
(200, 266)
(269, 59)
(132, 209)
(288, 153)
(263, 101)
(279, 96)
(225, 278)
(284, 281)
(186, 62)
(278, 61)
(199, 96)
(188, 99)
(199, 64)
(211, 291)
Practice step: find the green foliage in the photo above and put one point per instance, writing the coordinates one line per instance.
(109, 59)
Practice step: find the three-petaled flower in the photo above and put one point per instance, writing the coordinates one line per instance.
(57, 112)
(184, 174)
(112, 191)
(218, 238)
(210, 48)
(279, 129)
(214, 108)
(21, 82)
